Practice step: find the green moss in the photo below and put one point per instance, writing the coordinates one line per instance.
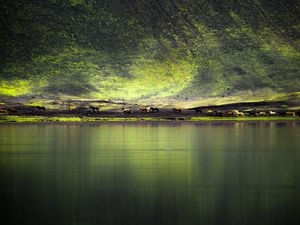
(15, 88)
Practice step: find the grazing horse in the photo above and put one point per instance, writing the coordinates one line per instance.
(72, 107)
(252, 113)
(126, 111)
(218, 113)
(3, 111)
(237, 113)
(12, 111)
(281, 113)
(198, 110)
(293, 114)
(143, 110)
(229, 113)
(209, 112)
(272, 113)
(41, 108)
(152, 109)
(176, 110)
(94, 109)
(38, 108)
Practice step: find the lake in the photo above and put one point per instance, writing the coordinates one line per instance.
(151, 173)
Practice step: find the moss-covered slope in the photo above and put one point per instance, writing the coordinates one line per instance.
(149, 50)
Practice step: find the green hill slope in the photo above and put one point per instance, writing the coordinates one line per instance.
(150, 51)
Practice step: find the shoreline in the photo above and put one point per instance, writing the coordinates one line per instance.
(98, 120)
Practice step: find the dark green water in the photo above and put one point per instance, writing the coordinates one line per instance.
(151, 174)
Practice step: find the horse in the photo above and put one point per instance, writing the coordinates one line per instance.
(41, 108)
(3, 111)
(281, 113)
(11, 111)
(229, 113)
(176, 110)
(237, 113)
(293, 114)
(218, 113)
(152, 109)
(72, 107)
(143, 110)
(252, 113)
(94, 109)
(272, 113)
(127, 111)
(198, 110)
(35, 109)
(209, 112)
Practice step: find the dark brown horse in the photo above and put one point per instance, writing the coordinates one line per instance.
(143, 110)
(38, 108)
(229, 113)
(94, 109)
(218, 113)
(176, 110)
(199, 111)
(152, 109)
(41, 108)
(3, 111)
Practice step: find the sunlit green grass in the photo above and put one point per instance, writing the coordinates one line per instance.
(243, 118)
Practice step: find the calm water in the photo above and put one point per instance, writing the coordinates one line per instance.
(151, 174)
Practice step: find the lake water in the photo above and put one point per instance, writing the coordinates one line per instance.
(151, 174)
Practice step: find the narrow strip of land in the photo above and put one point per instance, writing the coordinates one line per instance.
(43, 119)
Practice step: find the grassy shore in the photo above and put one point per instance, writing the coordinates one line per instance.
(41, 119)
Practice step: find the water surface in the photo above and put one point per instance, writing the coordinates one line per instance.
(151, 173)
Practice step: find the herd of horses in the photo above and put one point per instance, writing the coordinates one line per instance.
(144, 110)
(255, 113)
(218, 113)
(252, 113)
(28, 109)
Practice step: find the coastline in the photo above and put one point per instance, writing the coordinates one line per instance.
(97, 120)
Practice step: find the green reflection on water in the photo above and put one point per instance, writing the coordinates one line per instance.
(152, 173)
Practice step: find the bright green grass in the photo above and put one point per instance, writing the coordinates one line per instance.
(40, 119)
(243, 118)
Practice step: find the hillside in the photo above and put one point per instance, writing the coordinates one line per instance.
(164, 52)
